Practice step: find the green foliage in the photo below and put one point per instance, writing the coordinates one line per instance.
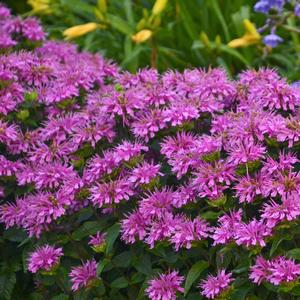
(185, 34)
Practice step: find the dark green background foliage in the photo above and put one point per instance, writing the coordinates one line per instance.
(191, 33)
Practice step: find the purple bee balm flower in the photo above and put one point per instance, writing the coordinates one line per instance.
(128, 150)
(283, 270)
(260, 271)
(144, 173)
(228, 224)
(241, 152)
(165, 286)
(84, 276)
(133, 227)
(32, 30)
(157, 203)
(248, 188)
(111, 192)
(44, 258)
(93, 132)
(7, 167)
(188, 231)
(4, 11)
(184, 195)
(36, 211)
(213, 286)
(5, 39)
(161, 228)
(179, 114)
(272, 40)
(97, 242)
(252, 234)
(53, 175)
(274, 213)
(211, 178)
(8, 133)
(183, 141)
(98, 166)
(148, 124)
(276, 94)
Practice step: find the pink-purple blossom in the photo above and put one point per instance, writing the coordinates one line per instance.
(165, 286)
(213, 286)
(44, 258)
(83, 276)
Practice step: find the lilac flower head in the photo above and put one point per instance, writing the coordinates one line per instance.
(44, 258)
(165, 286)
(213, 286)
(84, 276)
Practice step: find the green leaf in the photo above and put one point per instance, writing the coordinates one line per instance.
(129, 11)
(7, 283)
(275, 244)
(235, 53)
(61, 297)
(101, 265)
(294, 253)
(143, 264)
(111, 236)
(120, 24)
(218, 12)
(15, 235)
(88, 228)
(188, 22)
(193, 274)
(119, 283)
(122, 260)
(137, 277)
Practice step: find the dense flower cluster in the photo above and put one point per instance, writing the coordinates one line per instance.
(180, 160)
(277, 271)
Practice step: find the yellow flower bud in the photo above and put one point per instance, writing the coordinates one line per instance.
(79, 30)
(142, 36)
(250, 37)
(40, 6)
(159, 6)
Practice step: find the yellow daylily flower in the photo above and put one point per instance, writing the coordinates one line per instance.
(142, 36)
(79, 30)
(40, 6)
(250, 37)
(159, 6)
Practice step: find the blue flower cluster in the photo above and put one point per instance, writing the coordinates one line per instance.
(265, 7)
